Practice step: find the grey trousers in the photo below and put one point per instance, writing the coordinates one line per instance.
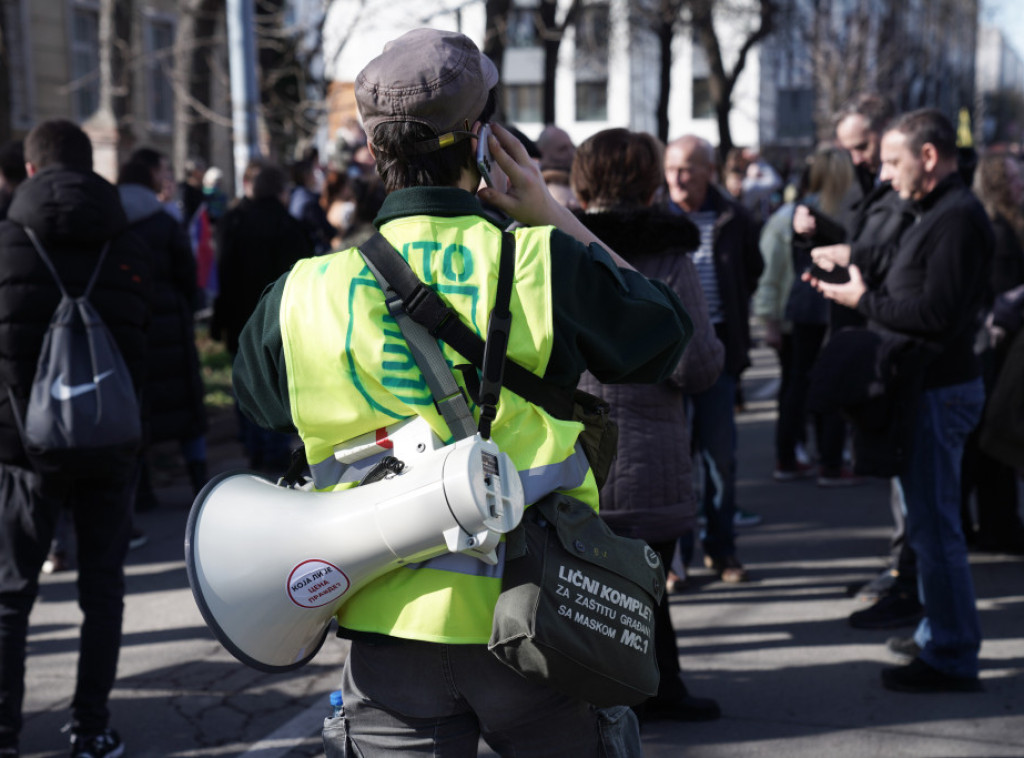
(423, 699)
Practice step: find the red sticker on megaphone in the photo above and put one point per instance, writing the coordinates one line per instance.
(315, 583)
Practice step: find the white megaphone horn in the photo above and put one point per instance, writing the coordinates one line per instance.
(269, 566)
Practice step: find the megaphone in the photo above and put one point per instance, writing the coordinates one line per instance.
(269, 566)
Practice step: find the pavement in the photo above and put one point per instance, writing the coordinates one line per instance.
(792, 677)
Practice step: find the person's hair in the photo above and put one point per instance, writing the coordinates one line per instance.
(58, 142)
(992, 186)
(194, 164)
(927, 126)
(137, 172)
(301, 171)
(369, 197)
(252, 168)
(877, 109)
(531, 147)
(616, 168)
(830, 174)
(399, 168)
(12, 162)
(212, 177)
(336, 184)
(147, 156)
(736, 161)
(270, 180)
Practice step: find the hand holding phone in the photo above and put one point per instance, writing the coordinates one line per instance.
(835, 275)
(485, 163)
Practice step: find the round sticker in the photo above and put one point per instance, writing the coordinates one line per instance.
(651, 556)
(315, 583)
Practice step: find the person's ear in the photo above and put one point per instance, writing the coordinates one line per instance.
(30, 169)
(929, 156)
(369, 147)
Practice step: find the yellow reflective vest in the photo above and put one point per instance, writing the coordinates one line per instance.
(350, 372)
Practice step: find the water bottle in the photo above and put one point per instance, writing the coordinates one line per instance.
(337, 705)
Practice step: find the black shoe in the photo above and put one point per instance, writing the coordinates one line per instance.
(893, 610)
(918, 676)
(137, 539)
(106, 744)
(687, 708)
(875, 589)
(903, 647)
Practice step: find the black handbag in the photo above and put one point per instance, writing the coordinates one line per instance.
(577, 605)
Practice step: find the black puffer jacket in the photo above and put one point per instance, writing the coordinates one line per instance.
(173, 394)
(649, 492)
(257, 241)
(74, 213)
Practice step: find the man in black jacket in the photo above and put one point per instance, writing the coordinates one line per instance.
(932, 293)
(74, 213)
(872, 216)
(729, 264)
(257, 241)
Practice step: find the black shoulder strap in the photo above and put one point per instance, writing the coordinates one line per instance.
(427, 308)
(34, 239)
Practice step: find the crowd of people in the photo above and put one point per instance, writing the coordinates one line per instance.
(890, 284)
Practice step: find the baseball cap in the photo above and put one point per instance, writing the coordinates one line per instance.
(436, 78)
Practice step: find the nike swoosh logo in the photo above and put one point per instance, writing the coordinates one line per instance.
(61, 391)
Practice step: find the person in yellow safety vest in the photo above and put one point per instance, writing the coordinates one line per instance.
(321, 356)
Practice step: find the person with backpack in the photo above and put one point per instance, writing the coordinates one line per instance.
(66, 230)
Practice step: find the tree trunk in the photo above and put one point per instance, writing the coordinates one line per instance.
(551, 36)
(665, 31)
(5, 84)
(496, 31)
(197, 25)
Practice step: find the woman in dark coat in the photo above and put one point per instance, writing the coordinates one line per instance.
(649, 492)
(999, 185)
(173, 394)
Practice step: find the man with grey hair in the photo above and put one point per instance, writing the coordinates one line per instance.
(729, 264)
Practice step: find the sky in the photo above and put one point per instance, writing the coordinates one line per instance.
(1008, 15)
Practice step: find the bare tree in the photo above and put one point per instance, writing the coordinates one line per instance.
(5, 83)
(292, 92)
(200, 37)
(757, 23)
(551, 32)
(496, 36)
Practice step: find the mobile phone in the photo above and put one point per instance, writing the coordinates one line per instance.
(484, 161)
(838, 274)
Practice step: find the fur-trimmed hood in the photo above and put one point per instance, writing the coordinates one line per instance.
(642, 231)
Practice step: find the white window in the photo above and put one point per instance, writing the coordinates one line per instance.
(523, 102)
(159, 70)
(592, 29)
(20, 80)
(522, 27)
(85, 59)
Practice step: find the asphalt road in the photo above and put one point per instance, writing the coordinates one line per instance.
(792, 677)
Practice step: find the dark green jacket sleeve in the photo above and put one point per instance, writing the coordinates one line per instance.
(259, 376)
(615, 323)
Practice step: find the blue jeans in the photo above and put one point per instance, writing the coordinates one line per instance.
(714, 440)
(410, 698)
(949, 634)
